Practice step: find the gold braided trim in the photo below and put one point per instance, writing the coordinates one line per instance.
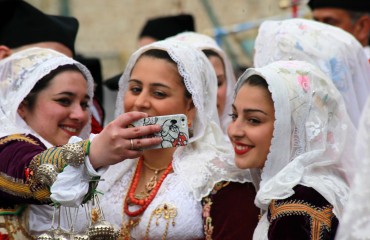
(207, 206)
(45, 166)
(18, 188)
(54, 157)
(320, 217)
(18, 137)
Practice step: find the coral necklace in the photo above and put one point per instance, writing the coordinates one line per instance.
(144, 203)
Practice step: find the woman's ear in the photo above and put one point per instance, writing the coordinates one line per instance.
(361, 30)
(22, 110)
(191, 111)
(4, 51)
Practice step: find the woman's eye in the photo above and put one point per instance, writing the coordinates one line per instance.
(84, 105)
(135, 89)
(159, 94)
(254, 121)
(233, 116)
(220, 81)
(64, 101)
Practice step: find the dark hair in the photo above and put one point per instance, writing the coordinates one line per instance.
(161, 54)
(256, 80)
(211, 53)
(43, 83)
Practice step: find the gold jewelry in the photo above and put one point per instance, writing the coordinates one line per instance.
(149, 186)
(166, 211)
(132, 144)
(154, 169)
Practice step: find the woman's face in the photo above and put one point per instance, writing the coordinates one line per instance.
(60, 110)
(221, 83)
(252, 126)
(156, 88)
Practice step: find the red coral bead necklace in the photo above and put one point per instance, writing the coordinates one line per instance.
(144, 203)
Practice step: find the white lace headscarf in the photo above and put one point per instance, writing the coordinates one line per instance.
(336, 52)
(204, 42)
(355, 224)
(208, 158)
(18, 75)
(311, 138)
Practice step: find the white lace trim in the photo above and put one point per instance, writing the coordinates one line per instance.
(204, 42)
(355, 224)
(18, 75)
(208, 158)
(336, 52)
(173, 192)
(310, 108)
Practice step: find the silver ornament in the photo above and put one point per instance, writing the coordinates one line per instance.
(45, 236)
(102, 230)
(73, 154)
(80, 237)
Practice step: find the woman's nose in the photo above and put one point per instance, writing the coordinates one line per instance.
(79, 113)
(142, 101)
(235, 129)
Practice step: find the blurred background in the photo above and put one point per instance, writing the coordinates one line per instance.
(109, 29)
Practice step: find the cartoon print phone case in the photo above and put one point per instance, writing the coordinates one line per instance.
(174, 132)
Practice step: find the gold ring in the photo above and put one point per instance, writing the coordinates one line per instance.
(132, 144)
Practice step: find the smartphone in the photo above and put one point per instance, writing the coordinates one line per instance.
(174, 130)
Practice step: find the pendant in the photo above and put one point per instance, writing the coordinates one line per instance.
(166, 211)
(149, 186)
(126, 228)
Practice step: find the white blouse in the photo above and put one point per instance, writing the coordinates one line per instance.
(187, 224)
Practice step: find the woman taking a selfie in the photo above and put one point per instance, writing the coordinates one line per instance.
(158, 195)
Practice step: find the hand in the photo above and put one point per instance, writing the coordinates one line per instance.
(117, 142)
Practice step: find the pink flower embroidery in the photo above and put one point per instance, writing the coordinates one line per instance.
(302, 27)
(304, 81)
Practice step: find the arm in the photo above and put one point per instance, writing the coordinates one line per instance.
(16, 153)
(28, 169)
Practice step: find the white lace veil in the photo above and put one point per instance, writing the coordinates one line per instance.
(204, 42)
(310, 121)
(208, 158)
(336, 52)
(355, 224)
(18, 75)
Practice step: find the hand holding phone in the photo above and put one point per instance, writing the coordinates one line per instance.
(174, 130)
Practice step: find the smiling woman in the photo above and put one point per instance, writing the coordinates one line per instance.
(44, 99)
(56, 107)
(291, 129)
(159, 194)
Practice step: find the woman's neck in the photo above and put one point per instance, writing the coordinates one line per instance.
(159, 158)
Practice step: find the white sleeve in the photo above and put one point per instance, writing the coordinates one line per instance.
(72, 184)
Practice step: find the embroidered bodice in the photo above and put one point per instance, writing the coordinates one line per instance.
(304, 215)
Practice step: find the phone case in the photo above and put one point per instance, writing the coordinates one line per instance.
(174, 132)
